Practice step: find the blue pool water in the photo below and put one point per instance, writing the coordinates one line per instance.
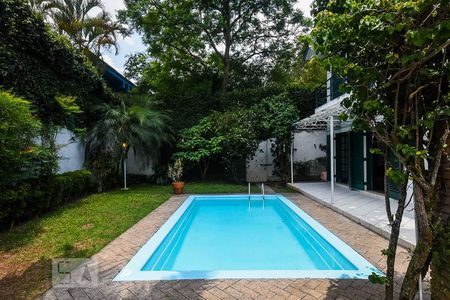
(230, 237)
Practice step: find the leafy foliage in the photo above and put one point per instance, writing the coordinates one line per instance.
(213, 37)
(378, 279)
(18, 148)
(175, 171)
(39, 65)
(32, 197)
(232, 136)
(242, 137)
(135, 121)
(278, 114)
(102, 165)
(394, 57)
(313, 75)
(199, 143)
(88, 33)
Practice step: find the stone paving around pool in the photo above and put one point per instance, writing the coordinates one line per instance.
(116, 255)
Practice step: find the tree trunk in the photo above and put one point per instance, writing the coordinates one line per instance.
(440, 269)
(226, 75)
(203, 168)
(420, 257)
(386, 186)
(226, 14)
(393, 241)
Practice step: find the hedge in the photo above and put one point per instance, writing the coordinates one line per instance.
(37, 196)
(302, 98)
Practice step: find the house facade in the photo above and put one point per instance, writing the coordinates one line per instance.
(349, 161)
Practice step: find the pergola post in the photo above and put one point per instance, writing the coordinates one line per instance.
(292, 157)
(332, 157)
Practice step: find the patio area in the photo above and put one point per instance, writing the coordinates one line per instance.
(114, 256)
(365, 208)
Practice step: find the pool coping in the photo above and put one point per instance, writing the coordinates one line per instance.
(384, 231)
(133, 269)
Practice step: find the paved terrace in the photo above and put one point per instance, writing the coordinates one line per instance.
(365, 208)
(115, 255)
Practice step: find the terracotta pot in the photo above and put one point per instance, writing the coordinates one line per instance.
(323, 176)
(178, 187)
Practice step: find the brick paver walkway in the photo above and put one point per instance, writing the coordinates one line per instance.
(114, 257)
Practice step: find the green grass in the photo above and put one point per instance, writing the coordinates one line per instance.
(281, 188)
(218, 188)
(79, 229)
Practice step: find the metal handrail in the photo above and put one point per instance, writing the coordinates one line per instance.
(263, 194)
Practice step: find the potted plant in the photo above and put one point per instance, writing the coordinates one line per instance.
(175, 172)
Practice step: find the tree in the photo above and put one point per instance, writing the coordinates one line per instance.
(102, 32)
(278, 114)
(320, 5)
(87, 32)
(211, 35)
(39, 65)
(313, 75)
(394, 55)
(135, 121)
(18, 131)
(37, 5)
(240, 127)
(199, 144)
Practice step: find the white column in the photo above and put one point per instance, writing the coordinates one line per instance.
(366, 176)
(332, 157)
(292, 158)
(125, 174)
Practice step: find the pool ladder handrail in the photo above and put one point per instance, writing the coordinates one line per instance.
(263, 193)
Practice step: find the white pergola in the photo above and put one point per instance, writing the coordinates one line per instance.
(321, 120)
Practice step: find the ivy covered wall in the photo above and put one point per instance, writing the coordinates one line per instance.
(38, 65)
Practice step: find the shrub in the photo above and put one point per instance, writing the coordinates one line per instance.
(18, 130)
(199, 144)
(175, 171)
(310, 169)
(40, 195)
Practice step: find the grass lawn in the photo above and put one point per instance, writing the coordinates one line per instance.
(79, 229)
(281, 188)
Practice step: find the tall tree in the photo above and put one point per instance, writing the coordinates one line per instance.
(211, 35)
(39, 66)
(394, 55)
(87, 30)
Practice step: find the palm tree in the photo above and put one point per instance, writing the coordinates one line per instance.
(37, 5)
(102, 32)
(76, 19)
(135, 123)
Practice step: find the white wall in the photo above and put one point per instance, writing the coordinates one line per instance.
(71, 152)
(260, 168)
(306, 145)
(137, 165)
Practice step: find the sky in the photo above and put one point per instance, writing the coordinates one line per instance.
(133, 44)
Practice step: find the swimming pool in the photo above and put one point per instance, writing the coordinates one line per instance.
(211, 237)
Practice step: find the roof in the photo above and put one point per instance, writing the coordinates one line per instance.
(308, 54)
(114, 78)
(321, 119)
